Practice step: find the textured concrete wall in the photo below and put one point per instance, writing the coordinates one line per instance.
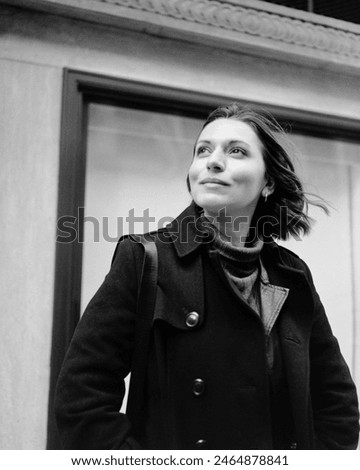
(29, 147)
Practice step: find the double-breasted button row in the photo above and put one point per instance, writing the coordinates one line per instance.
(198, 387)
(192, 319)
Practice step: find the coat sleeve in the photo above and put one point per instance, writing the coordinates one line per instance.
(91, 387)
(333, 392)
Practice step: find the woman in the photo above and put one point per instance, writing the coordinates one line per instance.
(241, 353)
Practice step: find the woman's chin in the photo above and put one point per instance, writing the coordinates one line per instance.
(211, 209)
(211, 202)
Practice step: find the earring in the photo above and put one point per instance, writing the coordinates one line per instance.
(265, 195)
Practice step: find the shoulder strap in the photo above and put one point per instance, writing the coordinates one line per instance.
(145, 311)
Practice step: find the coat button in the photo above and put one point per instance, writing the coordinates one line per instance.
(293, 445)
(192, 319)
(198, 387)
(201, 444)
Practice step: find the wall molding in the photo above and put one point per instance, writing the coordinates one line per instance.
(237, 17)
(253, 27)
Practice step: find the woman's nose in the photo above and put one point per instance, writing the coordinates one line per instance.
(216, 161)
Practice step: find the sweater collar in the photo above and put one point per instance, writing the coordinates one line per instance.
(238, 261)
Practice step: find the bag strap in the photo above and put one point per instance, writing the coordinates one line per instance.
(145, 312)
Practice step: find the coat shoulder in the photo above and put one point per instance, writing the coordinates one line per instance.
(132, 242)
(285, 252)
(157, 236)
(291, 259)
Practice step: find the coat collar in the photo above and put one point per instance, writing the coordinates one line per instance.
(284, 267)
(184, 231)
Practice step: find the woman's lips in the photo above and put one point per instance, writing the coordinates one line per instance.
(214, 181)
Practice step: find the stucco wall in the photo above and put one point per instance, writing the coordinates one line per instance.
(34, 49)
(29, 147)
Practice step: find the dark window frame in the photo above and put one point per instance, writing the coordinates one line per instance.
(82, 88)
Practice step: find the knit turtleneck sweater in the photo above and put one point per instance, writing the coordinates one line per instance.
(241, 265)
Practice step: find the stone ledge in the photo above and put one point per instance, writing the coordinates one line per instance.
(254, 27)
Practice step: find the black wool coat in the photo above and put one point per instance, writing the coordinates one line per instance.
(207, 382)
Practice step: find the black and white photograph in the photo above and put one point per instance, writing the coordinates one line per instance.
(180, 208)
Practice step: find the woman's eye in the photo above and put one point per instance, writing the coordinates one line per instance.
(238, 151)
(202, 151)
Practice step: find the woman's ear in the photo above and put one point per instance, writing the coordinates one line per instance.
(268, 189)
(270, 186)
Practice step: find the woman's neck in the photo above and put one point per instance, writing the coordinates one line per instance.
(233, 229)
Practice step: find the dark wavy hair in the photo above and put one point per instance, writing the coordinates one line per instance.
(285, 213)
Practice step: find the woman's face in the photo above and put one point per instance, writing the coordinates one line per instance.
(228, 169)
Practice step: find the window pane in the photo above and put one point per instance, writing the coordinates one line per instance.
(331, 169)
(137, 161)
